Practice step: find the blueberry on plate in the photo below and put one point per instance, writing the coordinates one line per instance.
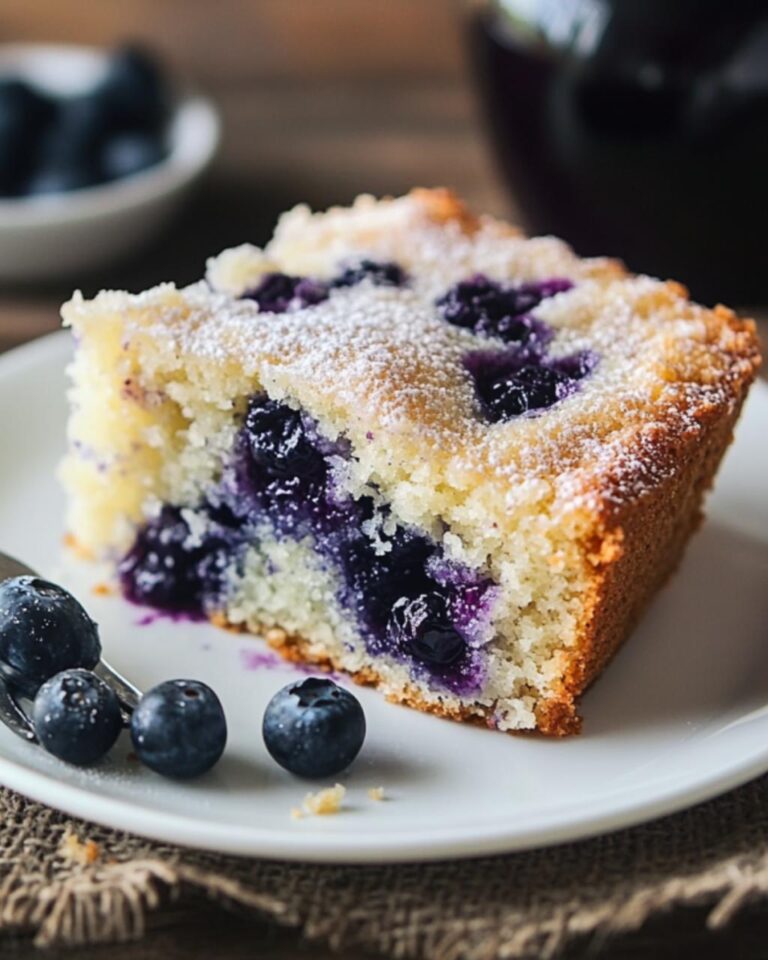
(179, 729)
(43, 630)
(76, 716)
(314, 728)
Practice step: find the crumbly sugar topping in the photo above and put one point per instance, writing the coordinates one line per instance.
(380, 364)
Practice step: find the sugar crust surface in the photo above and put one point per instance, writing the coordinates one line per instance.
(160, 377)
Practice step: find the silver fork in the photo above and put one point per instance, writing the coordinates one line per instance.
(11, 712)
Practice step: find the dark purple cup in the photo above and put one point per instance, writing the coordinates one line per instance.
(637, 128)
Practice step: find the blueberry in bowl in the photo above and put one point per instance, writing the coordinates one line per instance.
(77, 716)
(43, 630)
(115, 126)
(179, 729)
(97, 150)
(314, 728)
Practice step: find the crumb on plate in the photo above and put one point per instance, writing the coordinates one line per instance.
(322, 803)
(376, 793)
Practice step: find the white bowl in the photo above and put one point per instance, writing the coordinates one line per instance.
(61, 234)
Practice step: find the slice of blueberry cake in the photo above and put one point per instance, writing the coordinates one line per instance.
(407, 443)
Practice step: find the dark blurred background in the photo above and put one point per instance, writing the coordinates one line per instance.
(598, 129)
(319, 101)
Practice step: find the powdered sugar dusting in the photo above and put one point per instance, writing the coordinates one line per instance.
(378, 362)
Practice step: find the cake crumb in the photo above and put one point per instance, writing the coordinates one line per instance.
(102, 590)
(297, 813)
(322, 803)
(376, 793)
(76, 851)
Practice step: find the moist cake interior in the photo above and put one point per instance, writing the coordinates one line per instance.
(284, 513)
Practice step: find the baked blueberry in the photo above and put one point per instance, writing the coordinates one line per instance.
(314, 728)
(169, 568)
(382, 273)
(376, 580)
(280, 292)
(179, 728)
(278, 440)
(130, 152)
(76, 716)
(422, 626)
(494, 309)
(43, 630)
(533, 387)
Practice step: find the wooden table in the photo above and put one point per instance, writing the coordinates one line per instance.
(320, 102)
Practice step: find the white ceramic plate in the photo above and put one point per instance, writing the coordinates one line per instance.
(681, 714)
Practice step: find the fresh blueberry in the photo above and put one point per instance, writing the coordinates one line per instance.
(533, 387)
(422, 626)
(68, 152)
(381, 273)
(179, 729)
(24, 112)
(314, 728)
(278, 440)
(43, 630)
(280, 292)
(134, 90)
(76, 716)
(128, 153)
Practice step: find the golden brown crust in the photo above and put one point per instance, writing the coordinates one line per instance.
(643, 541)
(442, 205)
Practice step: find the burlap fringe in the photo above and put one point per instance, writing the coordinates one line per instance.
(111, 903)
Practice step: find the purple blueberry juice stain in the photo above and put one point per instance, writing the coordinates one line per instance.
(154, 616)
(267, 660)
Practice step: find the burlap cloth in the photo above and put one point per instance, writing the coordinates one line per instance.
(524, 905)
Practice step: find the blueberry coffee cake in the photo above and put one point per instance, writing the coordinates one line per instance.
(407, 443)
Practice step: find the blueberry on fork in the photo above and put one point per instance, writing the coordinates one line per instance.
(43, 630)
(77, 716)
